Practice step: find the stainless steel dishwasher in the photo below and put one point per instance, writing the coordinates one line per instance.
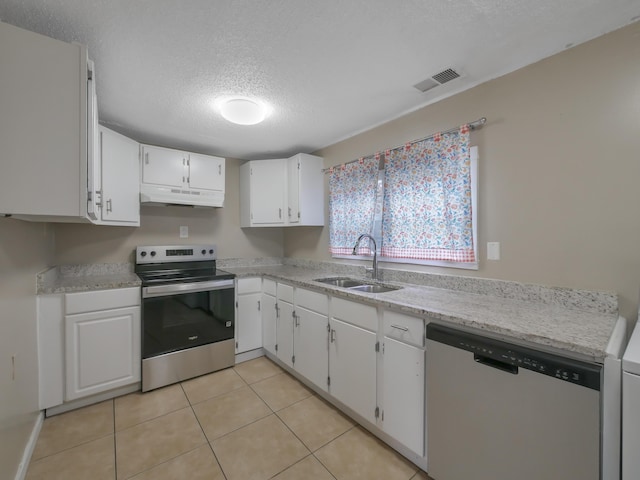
(498, 411)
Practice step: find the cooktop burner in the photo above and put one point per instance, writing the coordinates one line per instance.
(178, 264)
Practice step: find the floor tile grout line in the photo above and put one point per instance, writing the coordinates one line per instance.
(72, 447)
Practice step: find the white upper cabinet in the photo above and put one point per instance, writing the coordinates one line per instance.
(47, 128)
(282, 192)
(262, 193)
(119, 197)
(175, 177)
(305, 182)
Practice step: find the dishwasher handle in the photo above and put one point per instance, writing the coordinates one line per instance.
(492, 362)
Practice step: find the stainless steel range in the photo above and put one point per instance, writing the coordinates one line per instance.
(188, 315)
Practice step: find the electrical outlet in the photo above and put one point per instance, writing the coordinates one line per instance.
(493, 250)
(184, 232)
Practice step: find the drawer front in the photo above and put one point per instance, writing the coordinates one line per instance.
(359, 314)
(404, 328)
(269, 287)
(285, 293)
(82, 302)
(316, 302)
(249, 285)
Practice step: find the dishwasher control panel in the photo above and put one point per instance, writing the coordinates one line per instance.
(510, 357)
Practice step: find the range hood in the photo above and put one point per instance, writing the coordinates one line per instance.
(164, 195)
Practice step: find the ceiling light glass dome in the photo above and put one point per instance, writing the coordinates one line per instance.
(243, 111)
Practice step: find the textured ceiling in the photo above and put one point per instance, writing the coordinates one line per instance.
(329, 68)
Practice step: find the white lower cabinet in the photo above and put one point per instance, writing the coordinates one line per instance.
(102, 344)
(248, 315)
(311, 335)
(269, 312)
(403, 382)
(284, 325)
(352, 356)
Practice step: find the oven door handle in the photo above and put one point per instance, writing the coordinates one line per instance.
(178, 288)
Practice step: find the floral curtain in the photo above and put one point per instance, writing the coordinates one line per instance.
(352, 197)
(427, 202)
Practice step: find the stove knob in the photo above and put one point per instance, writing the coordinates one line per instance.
(143, 254)
(211, 251)
(204, 251)
(153, 253)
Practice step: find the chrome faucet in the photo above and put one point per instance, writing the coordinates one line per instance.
(374, 272)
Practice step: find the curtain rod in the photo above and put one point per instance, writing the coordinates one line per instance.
(475, 125)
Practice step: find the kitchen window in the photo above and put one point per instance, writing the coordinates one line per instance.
(420, 205)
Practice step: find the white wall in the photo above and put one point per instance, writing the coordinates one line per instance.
(25, 249)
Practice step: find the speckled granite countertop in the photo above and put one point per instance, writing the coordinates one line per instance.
(574, 321)
(83, 278)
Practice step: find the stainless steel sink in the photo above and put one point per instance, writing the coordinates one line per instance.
(340, 282)
(358, 285)
(369, 288)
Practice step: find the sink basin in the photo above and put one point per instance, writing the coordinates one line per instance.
(358, 285)
(340, 282)
(374, 288)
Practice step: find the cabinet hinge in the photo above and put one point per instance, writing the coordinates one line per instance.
(298, 214)
(377, 347)
(236, 345)
(89, 75)
(328, 381)
(236, 304)
(377, 412)
(293, 359)
(258, 305)
(276, 347)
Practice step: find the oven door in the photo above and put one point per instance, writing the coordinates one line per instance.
(185, 315)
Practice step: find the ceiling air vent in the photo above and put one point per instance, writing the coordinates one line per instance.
(438, 79)
(446, 76)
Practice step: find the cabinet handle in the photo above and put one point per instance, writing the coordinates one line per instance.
(146, 158)
(404, 329)
(219, 169)
(258, 305)
(289, 212)
(297, 320)
(333, 335)
(279, 213)
(109, 206)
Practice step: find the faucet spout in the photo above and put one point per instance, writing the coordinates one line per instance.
(374, 272)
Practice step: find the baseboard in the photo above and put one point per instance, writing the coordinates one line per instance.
(99, 397)
(28, 449)
(250, 355)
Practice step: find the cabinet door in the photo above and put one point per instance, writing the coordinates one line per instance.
(102, 351)
(403, 393)
(284, 333)
(206, 172)
(269, 323)
(352, 367)
(119, 159)
(163, 166)
(267, 185)
(311, 346)
(248, 322)
(293, 187)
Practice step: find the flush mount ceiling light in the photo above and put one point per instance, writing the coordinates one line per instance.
(243, 111)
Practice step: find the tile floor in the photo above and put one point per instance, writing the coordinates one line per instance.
(253, 421)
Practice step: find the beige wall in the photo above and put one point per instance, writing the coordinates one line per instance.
(80, 243)
(559, 168)
(25, 249)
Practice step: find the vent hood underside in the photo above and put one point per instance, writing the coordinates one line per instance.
(161, 195)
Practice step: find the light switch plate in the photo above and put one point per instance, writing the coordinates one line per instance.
(184, 232)
(493, 250)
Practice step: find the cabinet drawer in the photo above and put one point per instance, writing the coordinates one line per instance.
(404, 328)
(101, 300)
(285, 293)
(249, 285)
(361, 315)
(316, 302)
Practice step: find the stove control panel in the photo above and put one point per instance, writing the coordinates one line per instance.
(175, 253)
